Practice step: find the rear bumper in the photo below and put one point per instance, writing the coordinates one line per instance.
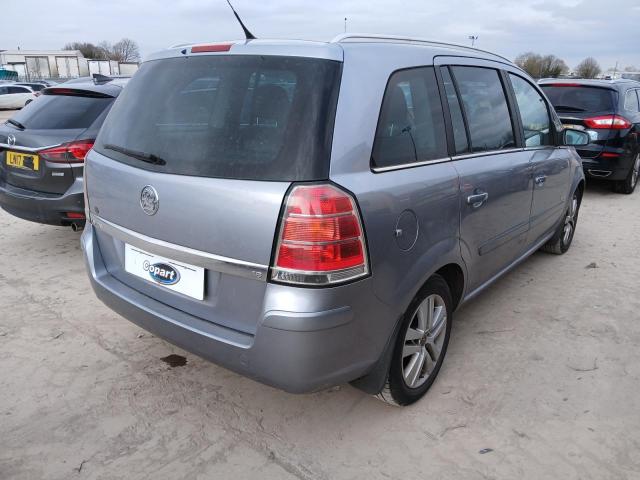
(607, 168)
(41, 207)
(297, 352)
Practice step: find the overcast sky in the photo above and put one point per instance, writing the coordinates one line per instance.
(609, 30)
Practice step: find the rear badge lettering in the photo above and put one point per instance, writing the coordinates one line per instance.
(162, 273)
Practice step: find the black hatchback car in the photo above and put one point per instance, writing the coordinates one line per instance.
(609, 110)
(42, 151)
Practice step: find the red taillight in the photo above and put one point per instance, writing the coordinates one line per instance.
(611, 122)
(73, 152)
(216, 47)
(75, 216)
(321, 239)
(610, 155)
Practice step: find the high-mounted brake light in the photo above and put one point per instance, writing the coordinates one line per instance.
(611, 122)
(216, 47)
(73, 152)
(321, 240)
(561, 85)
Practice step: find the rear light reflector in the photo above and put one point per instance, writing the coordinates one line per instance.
(75, 215)
(217, 47)
(73, 152)
(611, 122)
(325, 229)
(321, 240)
(610, 155)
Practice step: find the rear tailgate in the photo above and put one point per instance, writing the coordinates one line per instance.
(191, 168)
(224, 226)
(34, 154)
(32, 171)
(599, 137)
(576, 102)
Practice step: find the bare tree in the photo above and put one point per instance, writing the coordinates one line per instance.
(541, 66)
(588, 68)
(126, 50)
(631, 68)
(88, 50)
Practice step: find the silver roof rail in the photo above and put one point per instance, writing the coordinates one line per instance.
(343, 37)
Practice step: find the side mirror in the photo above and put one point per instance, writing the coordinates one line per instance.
(575, 138)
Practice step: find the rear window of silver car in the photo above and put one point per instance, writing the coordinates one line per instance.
(227, 116)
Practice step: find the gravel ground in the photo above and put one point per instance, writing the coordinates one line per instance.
(541, 381)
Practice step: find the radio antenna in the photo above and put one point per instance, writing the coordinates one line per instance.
(248, 35)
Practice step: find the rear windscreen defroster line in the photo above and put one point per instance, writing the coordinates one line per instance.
(227, 116)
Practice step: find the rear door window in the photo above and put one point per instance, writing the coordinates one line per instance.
(411, 124)
(534, 113)
(227, 116)
(486, 109)
(62, 112)
(568, 98)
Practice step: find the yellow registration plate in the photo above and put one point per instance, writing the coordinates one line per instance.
(24, 161)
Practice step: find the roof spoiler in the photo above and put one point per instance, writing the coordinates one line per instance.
(100, 79)
(74, 92)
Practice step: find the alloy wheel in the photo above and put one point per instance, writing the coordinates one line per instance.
(424, 340)
(636, 172)
(570, 220)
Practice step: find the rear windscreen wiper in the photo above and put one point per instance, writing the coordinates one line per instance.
(16, 123)
(145, 157)
(566, 108)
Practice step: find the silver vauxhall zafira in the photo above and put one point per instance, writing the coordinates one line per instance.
(310, 213)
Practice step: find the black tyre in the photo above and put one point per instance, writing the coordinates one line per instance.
(628, 185)
(561, 240)
(421, 344)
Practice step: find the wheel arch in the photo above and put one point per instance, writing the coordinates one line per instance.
(454, 275)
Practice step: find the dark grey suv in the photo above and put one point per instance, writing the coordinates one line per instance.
(43, 147)
(309, 214)
(609, 111)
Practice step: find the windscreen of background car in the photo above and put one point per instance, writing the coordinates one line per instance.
(580, 99)
(57, 112)
(227, 116)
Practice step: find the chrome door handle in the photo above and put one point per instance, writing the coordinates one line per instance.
(477, 199)
(540, 179)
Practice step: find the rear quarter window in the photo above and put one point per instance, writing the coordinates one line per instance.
(631, 101)
(62, 112)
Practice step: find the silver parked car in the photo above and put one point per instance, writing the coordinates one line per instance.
(309, 214)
